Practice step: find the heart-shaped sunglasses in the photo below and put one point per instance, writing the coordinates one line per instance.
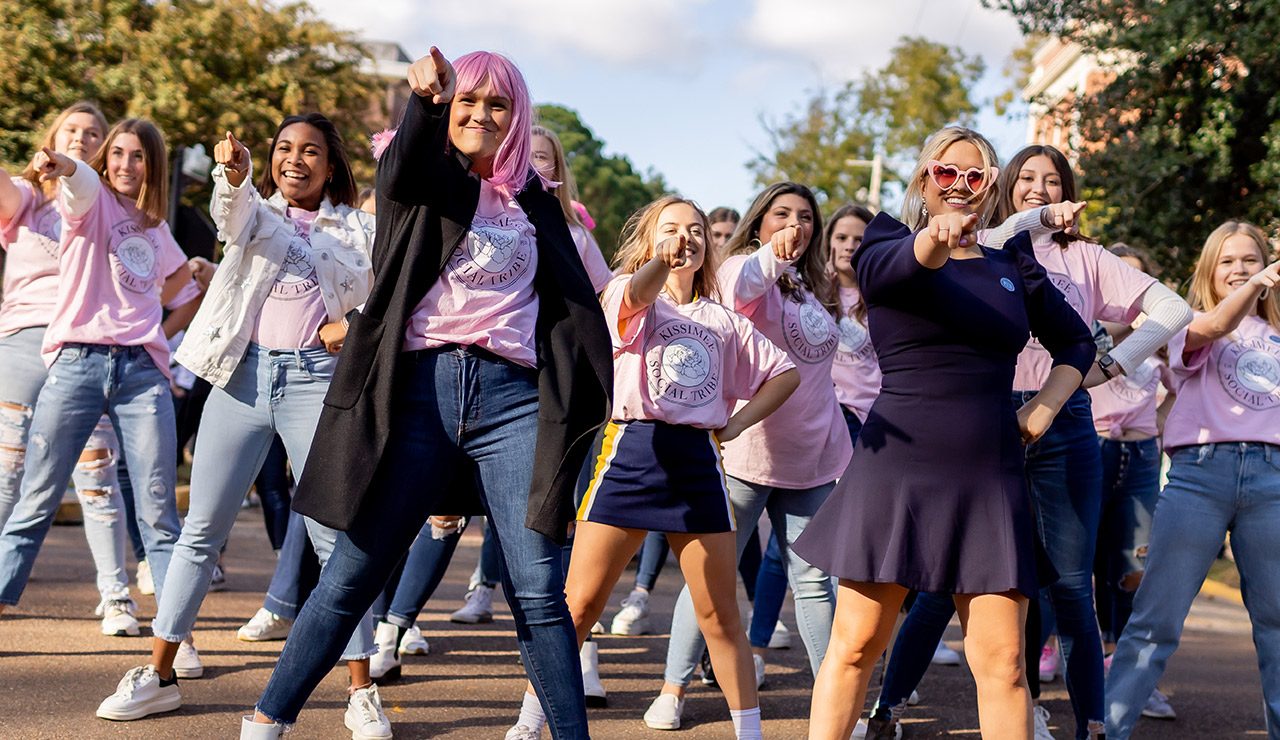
(948, 176)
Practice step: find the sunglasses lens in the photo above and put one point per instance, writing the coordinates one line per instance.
(945, 176)
(975, 179)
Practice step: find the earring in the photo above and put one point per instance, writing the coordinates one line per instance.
(924, 211)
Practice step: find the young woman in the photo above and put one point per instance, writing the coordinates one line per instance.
(30, 230)
(480, 342)
(681, 361)
(1223, 438)
(105, 345)
(1064, 467)
(724, 221)
(934, 499)
(776, 276)
(296, 260)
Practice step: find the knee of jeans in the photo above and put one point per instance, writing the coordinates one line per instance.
(15, 422)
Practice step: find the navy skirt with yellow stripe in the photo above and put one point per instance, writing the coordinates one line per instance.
(659, 477)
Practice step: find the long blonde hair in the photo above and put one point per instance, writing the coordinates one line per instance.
(913, 210)
(567, 191)
(50, 138)
(639, 237)
(1202, 297)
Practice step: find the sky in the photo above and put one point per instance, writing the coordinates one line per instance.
(680, 86)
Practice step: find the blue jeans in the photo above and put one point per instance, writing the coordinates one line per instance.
(415, 579)
(771, 592)
(296, 573)
(455, 407)
(1064, 470)
(1130, 487)
(271, 392)
(789, 511)
(1213, 490)
(488, 570)
(653, 556)
(272, 485)
(85, 381)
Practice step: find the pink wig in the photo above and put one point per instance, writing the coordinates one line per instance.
(512, 162)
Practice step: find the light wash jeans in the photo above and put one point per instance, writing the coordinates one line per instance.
(1212, 490)
(789, 511)
(95, 480)
(271, 392)
(457, 410)
(85, 381)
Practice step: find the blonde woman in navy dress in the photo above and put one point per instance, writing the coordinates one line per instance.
(935, 498)
(681, 362)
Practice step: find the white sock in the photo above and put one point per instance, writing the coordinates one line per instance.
(531, 715)
(746, 723)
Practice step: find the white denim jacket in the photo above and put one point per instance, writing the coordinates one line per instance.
(257, 233)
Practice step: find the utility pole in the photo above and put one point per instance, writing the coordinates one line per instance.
(876, 164)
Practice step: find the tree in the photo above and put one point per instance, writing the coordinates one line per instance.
(889, 112)
(1187, 135)
(195, 67)
(608, 184)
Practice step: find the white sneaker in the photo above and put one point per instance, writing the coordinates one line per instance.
(250, 730)
(861, 730)
(664, 713)
(943, 655)
(781, 637)
(365, 717)
(633, 619)
(139, 694)
(143, 577)
(1040, 716)
(385, 664)
(592, 688)
(523, 732)
(597, 629)
(758, 662)
(219, 582)
(265, 626)
(186, 664)
(479, 607)
(1158, 706)
(413, 643)
(118, 618)
(914, 699)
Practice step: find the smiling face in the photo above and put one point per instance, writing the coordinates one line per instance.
(1039, 184)
(788, 209)
(962, 155)
(682, 218)
(126, 165)
(846, 237)
(479, 121)
(300, 165)
(1238, 260)
(79, 136)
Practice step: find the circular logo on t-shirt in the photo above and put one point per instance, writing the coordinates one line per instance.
(496, 253)
(1249, 371)
(855, 341)
(1007, 284)
(48, 223)
(682, 361)
(297, 276)
(809, 330)
(134, 256)
(1137, 386)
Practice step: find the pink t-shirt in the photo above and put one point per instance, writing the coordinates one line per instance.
(294, 311)
(855, 371)
(30, 240)
(597, 269)
(1128, 403)
(1097, 284)
(485, 295)
(805, 443)
(1228, 391)
(112, 273)
(685, 364)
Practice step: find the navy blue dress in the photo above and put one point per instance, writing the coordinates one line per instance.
(935, 497)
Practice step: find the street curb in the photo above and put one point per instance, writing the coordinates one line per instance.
(1216, 590)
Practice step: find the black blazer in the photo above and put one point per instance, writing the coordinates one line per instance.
(427, 199)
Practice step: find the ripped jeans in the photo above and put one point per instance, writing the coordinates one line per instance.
(94, 475)
(85, 381)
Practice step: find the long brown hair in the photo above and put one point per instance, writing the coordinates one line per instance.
(858, 311)
(1009, 179)
(1202, 296)
(153, 198)
(567, 191)
(635, 245)
(811, 266)
(49, 139)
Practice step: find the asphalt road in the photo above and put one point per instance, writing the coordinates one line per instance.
(55, 668)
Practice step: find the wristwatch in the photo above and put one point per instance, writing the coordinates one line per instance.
(1109, 367)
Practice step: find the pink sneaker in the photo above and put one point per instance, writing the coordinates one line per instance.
(1049, 662)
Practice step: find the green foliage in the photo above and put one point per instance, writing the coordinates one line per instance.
(195, 67)
(890, 111)
(1188, 133)
(608, 184)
